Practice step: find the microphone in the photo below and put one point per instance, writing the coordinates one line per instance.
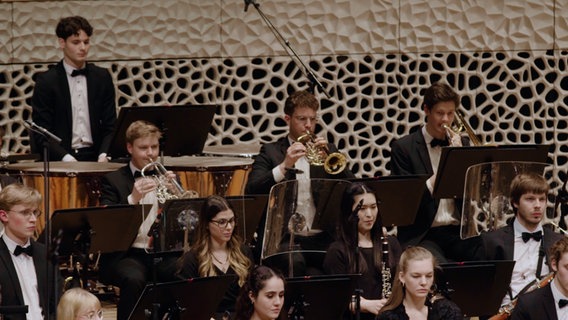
(43, 131)
(247, 2)
(294, 170)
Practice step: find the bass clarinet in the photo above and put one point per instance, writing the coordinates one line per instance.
(385, 269)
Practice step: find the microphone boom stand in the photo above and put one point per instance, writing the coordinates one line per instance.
(306, 71)
(48, 138)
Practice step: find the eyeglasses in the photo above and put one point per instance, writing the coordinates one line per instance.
(93, 315)
(223, 223)
(303, 119)
(28, 213)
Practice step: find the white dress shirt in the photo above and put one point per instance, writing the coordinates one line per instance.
(27, 278)
(446, 214)
(526, 261)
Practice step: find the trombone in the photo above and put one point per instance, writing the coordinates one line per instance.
(458, 126)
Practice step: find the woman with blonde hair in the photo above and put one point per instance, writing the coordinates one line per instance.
(411, 297)
(79, 304)
(217, 251)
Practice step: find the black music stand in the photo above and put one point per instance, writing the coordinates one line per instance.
(399, 197)
(96, 229)
(455, 161)
(184, 213)
(184, 128)
(318, 297)
(476, 287)
(193, 299)
(11, 310)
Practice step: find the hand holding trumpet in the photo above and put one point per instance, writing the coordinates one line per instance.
(141, 187)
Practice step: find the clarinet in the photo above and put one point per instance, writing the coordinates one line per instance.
(385, 270)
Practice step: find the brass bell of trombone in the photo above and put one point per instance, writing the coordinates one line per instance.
(333, 163)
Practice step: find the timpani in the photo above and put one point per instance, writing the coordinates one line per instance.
(208, 175)
(71, 184)
(245, 150)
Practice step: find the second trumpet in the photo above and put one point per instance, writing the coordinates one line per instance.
(167, 188)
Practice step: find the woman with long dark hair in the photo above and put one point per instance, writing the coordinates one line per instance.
(359, 248)
(262, 296)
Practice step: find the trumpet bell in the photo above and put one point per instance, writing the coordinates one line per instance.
(335, 163)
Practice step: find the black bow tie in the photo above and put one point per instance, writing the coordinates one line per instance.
(439, 142)
(535, 235)
(78, 72)
(562, 303)
(27, 250)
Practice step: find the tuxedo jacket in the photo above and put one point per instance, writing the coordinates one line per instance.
(116, 186)
(12, 292)
(260, 179)
(409, 156)
(499, 244)
(538, 304)
(51, 109)
(6, 180)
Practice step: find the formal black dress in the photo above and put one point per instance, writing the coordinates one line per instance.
(189, 268)
(441, 309)
(370, 282)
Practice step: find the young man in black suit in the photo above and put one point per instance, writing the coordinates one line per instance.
(437, 223)
(74, 100)
(525, 239)
(550, 302)
(270, 166)
(24, 275)
(132, 270)
(285, 159)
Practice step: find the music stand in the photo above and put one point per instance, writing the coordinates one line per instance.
(184, 213)
(318, 297)
(184, 128)
(192, 299)
(454, 162)
(96, 229)
(399, 197)
(477, 287)
(10, 310)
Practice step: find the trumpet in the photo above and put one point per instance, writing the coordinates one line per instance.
(459, 125)
(167, 188)
(333, 163)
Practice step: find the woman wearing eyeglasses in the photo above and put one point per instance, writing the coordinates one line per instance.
(79, 304)
(218, 251)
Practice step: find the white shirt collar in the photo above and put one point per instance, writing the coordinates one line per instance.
(69, 69)
(11, 244)
(519, 228)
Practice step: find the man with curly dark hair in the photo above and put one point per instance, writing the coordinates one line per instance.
(74, 100)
